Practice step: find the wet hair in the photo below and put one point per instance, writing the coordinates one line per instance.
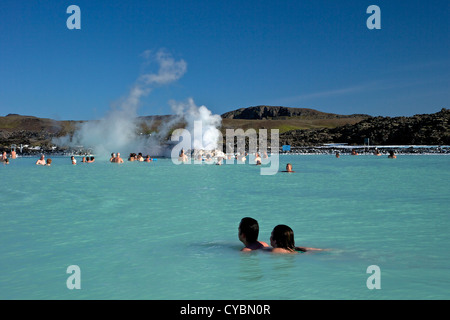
(92, 158)
(250, 228)
(284, 238)
(49, 161)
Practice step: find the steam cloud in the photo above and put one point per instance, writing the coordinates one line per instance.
(208, 137)
(118, 130)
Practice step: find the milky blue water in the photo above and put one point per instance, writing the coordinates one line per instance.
(162, 231)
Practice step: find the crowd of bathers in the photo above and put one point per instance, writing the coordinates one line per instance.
(115, 158)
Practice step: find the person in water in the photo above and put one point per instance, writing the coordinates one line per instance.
(338, 155)
(41, 161)
(182, 156)
(257, 158)
(282, 241)
(74, 161)
(49, 162)
(248, 232)
(392, 155)
(118, 159)
(354, 153)
(113, 156)
(288, 168)
(376, 152)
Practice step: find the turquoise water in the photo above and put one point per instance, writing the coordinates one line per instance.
(162, 231)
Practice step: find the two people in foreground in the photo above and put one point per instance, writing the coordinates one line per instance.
(281, 239)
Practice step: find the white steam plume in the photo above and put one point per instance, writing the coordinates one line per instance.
(209, 136)
(116, 132)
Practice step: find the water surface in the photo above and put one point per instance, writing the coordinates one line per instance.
(162, 231)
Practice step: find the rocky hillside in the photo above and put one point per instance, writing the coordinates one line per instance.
(33, 131)
(285, 119)
(424, 129)
(280, 113)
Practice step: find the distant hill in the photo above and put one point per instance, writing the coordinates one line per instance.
(297, 127)
(285, 119)
(34, 131)
(282, 113)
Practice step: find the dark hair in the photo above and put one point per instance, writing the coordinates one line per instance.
(92, 158)
(250, 228)
(284, 238)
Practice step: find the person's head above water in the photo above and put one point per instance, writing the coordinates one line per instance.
(248, 230)
(248, 234)
(282, 237)
(282, 241)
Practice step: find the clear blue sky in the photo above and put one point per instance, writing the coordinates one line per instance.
(296, 53)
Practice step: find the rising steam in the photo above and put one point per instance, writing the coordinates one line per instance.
(117, 131)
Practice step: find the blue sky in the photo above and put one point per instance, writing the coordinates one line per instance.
(313, 54)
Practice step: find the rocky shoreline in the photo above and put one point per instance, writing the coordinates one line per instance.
(426, 129)
(310, 150)
(364, 150)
